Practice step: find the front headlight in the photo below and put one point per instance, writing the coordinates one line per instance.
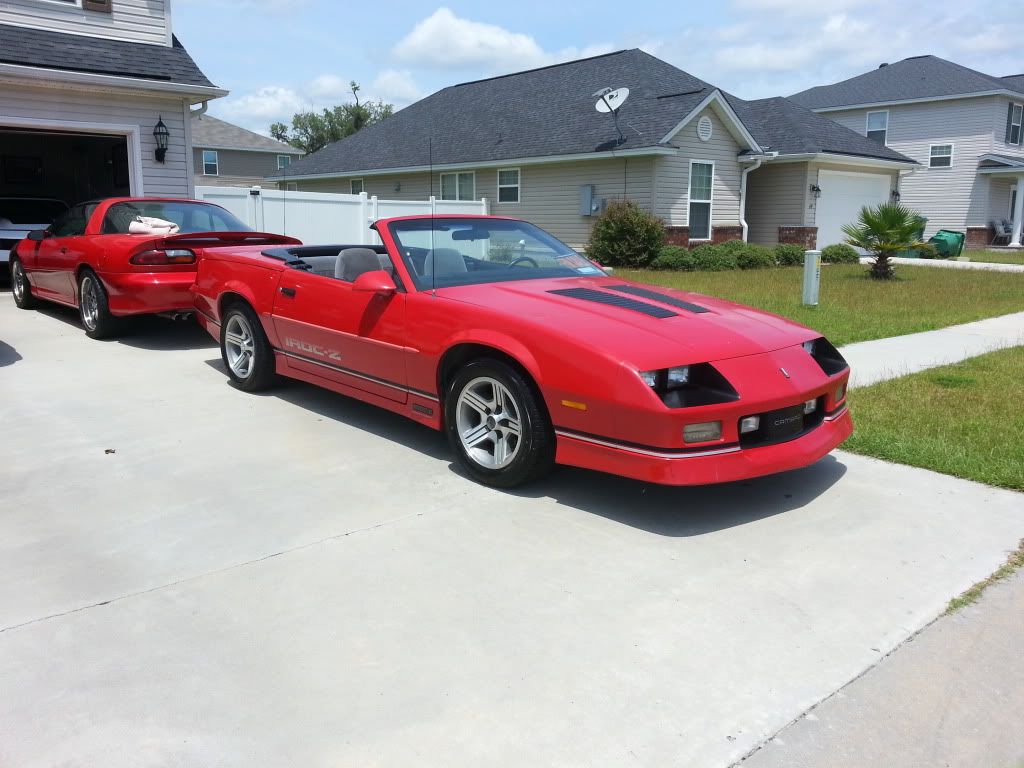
(825, 355)
(684, 386)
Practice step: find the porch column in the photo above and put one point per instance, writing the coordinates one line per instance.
(1018, 212)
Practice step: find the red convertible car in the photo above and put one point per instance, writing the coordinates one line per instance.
(109, 258)
(528, 354)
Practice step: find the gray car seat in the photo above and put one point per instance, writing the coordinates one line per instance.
(352, 262)
(444, 261)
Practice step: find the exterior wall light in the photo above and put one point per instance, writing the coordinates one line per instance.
(895, 195)
(816, 191)
(161, 134)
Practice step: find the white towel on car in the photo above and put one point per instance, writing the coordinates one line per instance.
(150, 225)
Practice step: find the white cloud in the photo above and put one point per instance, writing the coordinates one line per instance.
(330, 88)
(395, 87)
(257, 110)
(446, 41)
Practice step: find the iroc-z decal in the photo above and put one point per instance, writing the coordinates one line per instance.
(314, 349)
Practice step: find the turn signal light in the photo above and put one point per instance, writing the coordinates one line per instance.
(160, 257)
(702, 433)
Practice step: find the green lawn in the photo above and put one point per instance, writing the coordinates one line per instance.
(964, 420)
(996, 257)
(854, 307)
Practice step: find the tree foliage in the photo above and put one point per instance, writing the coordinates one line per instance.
(311, 131)
(883, 231)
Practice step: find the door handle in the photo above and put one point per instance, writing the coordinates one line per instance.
(63, 250)
(289, 292)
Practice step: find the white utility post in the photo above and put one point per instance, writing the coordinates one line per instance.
(812, 277)
(1018, 213)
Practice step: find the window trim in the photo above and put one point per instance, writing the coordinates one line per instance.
(867, 122)
(216, 162)
(1014, 106)
(710, 201)
(291, 186)
(517, 186)
(352, 183)
(458, 186)
(283, 157)
(932, 157)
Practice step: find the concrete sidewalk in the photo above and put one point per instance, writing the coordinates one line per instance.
(951, 696)
(944, 264)
(883, 359)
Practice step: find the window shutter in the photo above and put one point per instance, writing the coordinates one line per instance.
(103, 6)
(1009, 122)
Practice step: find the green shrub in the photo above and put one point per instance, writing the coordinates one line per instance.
(713, 258)
(674, 257)
(788, 255)
(928, 251)
(840, 253)
(755, 257)
(625, 235)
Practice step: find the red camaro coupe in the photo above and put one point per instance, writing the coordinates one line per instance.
(528, 354)
(117, 257)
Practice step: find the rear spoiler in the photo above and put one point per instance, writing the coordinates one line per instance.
(216, 239)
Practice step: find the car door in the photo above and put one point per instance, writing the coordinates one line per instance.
(351, 337)
(59, 254)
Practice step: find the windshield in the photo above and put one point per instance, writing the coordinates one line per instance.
(444, 252)
(28, 211)
(189, 216)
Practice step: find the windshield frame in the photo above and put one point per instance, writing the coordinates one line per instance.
(583, 267)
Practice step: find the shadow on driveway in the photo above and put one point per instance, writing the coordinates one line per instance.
(142, 332)
(658, 509)
(8, 354)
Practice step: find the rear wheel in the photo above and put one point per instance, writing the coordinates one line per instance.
(20, 287)
(246, 352)
(93, 307)
(497, 425)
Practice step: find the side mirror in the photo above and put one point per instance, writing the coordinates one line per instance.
(37, 235)
(377, 281)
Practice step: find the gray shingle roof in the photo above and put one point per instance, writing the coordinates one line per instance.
(95, 55)
(209, 132)
(1016, 82)
(788, 129)
(919, 77)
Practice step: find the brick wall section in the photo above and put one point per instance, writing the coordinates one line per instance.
(724, 234)
(979, 237)
(678, 236)
(805, 237)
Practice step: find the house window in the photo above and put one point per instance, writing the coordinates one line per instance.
(458, 186)
(701, 182)
(291, 186)
(356, 186)
(211, 166)
(508, 185)
(940, 156)
(878, 126)
(1013, 124)
(283, 161)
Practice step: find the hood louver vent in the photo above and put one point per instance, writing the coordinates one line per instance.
(611, 300)
(655, 296)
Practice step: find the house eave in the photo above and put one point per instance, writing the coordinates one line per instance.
(835, 157)
(922, 100)
(62, 78)
(540, 160)
(269, 151)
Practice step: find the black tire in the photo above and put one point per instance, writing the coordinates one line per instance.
(259, 373)
(93, 308)
(532, 451)
(20, 287)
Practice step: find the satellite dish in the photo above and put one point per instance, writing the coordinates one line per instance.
(610, 99)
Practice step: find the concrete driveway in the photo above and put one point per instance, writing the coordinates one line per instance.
(191, 575)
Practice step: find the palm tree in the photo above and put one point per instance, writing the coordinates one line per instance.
(883, 231)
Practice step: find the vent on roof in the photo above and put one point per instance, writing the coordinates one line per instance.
(681, 93)
(883, 64)
(611, 300)
(646, 293)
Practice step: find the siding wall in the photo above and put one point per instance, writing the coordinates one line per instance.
(956, 197)
(777, 197)
(140, 21)
(548, 192)
(237, 168)
(673, 174)
(171, 178)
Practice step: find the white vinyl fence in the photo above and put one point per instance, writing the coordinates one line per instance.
(318, 218)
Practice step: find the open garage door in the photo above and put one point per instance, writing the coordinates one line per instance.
(843, 194)
(71, 167)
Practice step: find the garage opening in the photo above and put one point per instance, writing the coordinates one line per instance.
(70, 167)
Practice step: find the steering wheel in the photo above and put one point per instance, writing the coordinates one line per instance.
(525, 259)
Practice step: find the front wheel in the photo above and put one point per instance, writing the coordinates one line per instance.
(497, 425)
(245, 349)
(93, 308)
(20, 287)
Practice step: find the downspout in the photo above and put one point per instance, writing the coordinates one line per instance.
(743, 193)
(201, 111)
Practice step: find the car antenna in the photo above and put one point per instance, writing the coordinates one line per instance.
(430, 165)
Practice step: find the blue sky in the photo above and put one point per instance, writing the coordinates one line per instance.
(279, 56)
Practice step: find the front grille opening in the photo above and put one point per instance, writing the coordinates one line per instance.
(783, 425)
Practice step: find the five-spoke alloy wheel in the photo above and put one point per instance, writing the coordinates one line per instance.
(23, 297)
(93, 308)
(245, 350)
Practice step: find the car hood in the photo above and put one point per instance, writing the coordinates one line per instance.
(725, 330)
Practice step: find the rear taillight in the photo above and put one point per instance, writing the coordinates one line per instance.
(163, 257)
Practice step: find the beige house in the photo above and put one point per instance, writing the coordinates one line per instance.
(227, 155)
(964, 128)
(532, 144)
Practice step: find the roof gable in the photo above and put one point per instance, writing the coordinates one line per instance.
(210, 133)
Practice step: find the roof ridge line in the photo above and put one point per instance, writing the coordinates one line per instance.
(540, 69)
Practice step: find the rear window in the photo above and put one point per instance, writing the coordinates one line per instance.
(19, 211)
(190, 217)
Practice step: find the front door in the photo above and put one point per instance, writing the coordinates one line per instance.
(351, 337)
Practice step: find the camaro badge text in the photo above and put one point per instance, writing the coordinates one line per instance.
(784, 372)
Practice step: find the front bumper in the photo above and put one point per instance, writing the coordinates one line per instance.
(138, 293)
(711, 465)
